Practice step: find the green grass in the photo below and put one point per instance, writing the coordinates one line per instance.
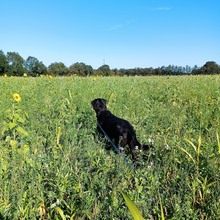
(60, 170)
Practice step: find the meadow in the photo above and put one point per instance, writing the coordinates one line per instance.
(53, 165)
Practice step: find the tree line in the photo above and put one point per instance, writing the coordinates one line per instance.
(12, 64)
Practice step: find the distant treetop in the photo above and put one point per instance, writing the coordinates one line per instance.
(12, 64)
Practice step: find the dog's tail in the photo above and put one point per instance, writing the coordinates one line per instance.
(147, 147)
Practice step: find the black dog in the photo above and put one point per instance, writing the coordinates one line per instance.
(120, 131)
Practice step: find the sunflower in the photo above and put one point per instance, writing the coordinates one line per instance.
(16, 97)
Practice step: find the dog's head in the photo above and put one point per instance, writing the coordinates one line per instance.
(99, 105)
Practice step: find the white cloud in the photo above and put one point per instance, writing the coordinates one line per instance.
(161, 9)
(116, 27)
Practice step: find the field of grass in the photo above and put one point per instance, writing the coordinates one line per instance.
(53, 166)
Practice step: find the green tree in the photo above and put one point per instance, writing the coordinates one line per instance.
(35, 67)
(104, 70)
(210, 67)
(81, 69)
(195, 70)
(16, 64)
(3, 63)
(58, 69)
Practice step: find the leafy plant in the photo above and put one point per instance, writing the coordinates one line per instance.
(132, 207)
(54, 166)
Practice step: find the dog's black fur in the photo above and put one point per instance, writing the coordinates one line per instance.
(120, 131)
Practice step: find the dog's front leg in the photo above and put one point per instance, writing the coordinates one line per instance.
(101, 135)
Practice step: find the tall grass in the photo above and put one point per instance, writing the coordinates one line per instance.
(55, 167)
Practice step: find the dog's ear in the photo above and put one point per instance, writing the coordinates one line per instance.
(103, 101)
(93, 102)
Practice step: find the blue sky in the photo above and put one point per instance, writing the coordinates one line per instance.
(120, 33)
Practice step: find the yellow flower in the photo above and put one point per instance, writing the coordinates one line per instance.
(16, 97)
